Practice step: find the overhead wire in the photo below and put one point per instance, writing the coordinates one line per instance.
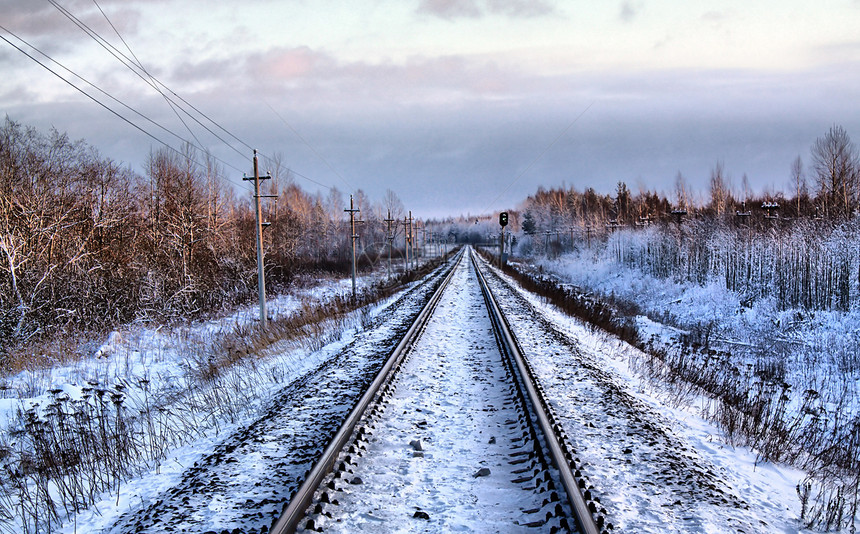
(97, 101)
(303, 140)
(97, 88)
(141, 73)
(145, 71)
(157, 85)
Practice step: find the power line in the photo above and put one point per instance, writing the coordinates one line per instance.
(317, 154)
(152, 82)
(94, 86)
(102, 104)
(140, 65)
(530, 165)
(155, 83)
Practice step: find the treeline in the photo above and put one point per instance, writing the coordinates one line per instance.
(86, 243)
(800, 249)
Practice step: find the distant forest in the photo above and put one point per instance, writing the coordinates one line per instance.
(87, 244)
(802, 249)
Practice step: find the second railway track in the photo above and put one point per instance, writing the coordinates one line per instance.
(452, 435)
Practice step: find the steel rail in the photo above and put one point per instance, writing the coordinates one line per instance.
(584, 520)
(294, 512)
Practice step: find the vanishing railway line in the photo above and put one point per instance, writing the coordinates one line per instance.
(492, 458)
(484, 456)
(428, 418)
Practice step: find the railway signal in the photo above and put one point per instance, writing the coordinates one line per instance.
(503, 221)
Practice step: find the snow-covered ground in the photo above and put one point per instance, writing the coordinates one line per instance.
(155, 353)
(147, 367)
(815, 349)
(656, 467)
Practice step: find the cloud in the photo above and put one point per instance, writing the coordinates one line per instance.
(452, 9)
(321, 79)
(628, 11)
(41, 19)
(837, 52)
(715, 18)
(520, 8)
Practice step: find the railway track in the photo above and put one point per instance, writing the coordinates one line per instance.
(455, 436)
(453, 433)
(250, 476)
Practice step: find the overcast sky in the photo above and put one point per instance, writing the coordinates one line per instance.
(458, 105)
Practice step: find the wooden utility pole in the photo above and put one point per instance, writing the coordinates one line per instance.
(412, 240)
(390, 236)
(352, 211)
(261, 272)
(407, 231)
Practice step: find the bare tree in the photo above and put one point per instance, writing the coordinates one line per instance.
(835, 163)
(798, 183)
(682, 192)
(719, 189)
(394, 207)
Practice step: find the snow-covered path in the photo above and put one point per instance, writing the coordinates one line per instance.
(447, 453)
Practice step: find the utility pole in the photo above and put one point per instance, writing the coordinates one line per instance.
(261, 274)
(390, 236)
(352, 211)
(412, 240)
(407, 231)
(406, 243)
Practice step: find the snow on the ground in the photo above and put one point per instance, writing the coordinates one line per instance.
(145, 363)
(158, 354)
(814, 349)
(451, 415)
(242, 477)
(658, 468)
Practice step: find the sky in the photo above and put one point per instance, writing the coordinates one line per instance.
(458, 106)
